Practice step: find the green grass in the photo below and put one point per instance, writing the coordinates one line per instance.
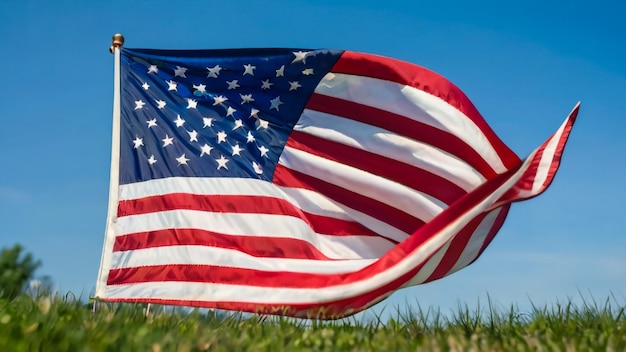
(65, 324)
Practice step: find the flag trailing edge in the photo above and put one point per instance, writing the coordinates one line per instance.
(296, 182)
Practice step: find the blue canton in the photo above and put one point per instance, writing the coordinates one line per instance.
(212, 113)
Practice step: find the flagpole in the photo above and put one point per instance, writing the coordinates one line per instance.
(109, 238)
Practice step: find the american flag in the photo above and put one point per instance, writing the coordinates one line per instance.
(308, 183)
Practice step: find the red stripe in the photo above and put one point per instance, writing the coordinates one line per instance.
(224, 275)
(216, 203)
(242, 205)
(402, 126)
(494, 229)
(269, 247)
(528, 179)
(426, 80)
(457, 245)
(337, 227)
(375, 164)
(392, 216)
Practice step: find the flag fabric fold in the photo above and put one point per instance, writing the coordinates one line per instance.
(308, 183)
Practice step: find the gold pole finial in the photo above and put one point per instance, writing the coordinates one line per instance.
(118, 41)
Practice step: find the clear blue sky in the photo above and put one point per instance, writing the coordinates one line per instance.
(524, 65)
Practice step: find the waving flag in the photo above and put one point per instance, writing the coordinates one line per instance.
(309, 183)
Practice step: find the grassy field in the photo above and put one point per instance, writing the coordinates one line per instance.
(65, 324)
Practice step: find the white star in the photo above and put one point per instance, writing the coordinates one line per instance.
(249, 69)
(300, 56)
(238, 123)
(219, 99)
(206, 149)
(275, 103)
(307, 72)
(233, 84)
(254, 113)
(153, 69)
(152, 160)
(249, 137)
(246, 98)
(237, 149)
(139, 104)
(167, 141)
(281, 71)
(161, 104)
(263, 124)
(221, 137)
(200, 88)
(192, 104)
(152, 123)
(182, 160)
(180, 72)
(266, 84)
(230, 111)
(138, 142)
(257, 168)
(193, 136)
(208, 122)
(263, 150)
(214, 71)
(179, 121)
(145, 86)
(221, 163)
(171, 85)
(294, 85)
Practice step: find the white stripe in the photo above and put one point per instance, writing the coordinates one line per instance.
(202, 255)
(429, 267)
(260, 225)
(354, 247)
(546, 160)
(403, 198)
(390, 145)
(476, 241)
(315, 203)
(412, 103)
(200, 185)
(202, 292)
